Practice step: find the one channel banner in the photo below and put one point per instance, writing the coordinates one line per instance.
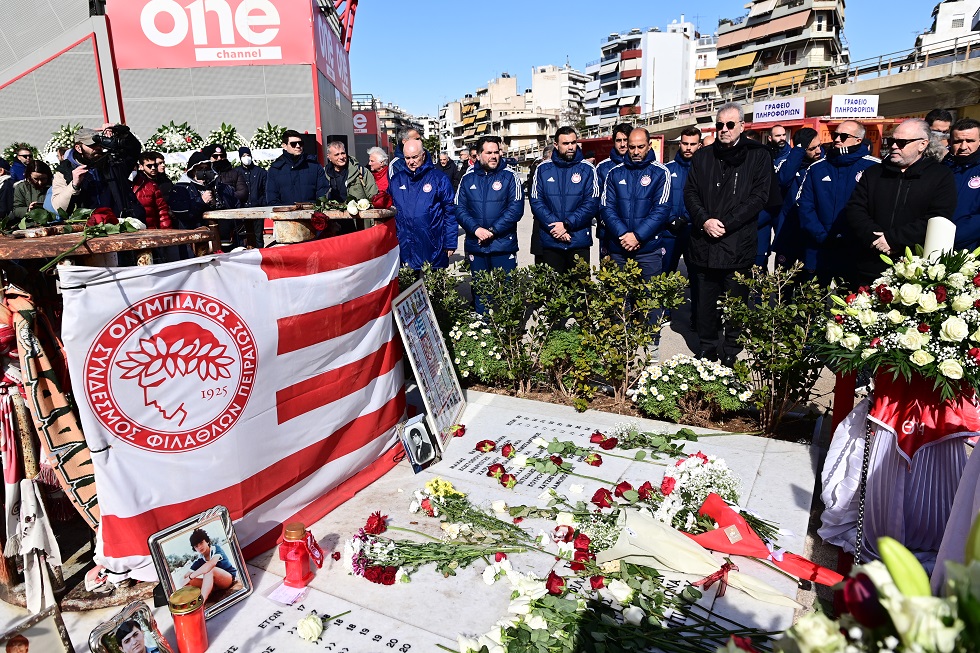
(188, 34)
(257, 380)
(781, 109)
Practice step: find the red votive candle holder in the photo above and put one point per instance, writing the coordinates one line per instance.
(294, 551)
(187, 609)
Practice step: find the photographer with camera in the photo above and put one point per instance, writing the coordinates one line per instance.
(198, 191)
(95, 172)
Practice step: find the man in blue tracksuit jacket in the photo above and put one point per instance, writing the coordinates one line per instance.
(620, 138)
(824, 192)
(780, 149)
(426, 218)
(397, 163)
(489, 204)
(679, 226)
(636, 207)
(564, 199)
(964, 161)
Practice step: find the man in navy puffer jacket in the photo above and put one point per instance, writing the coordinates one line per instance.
(636, 207)
(489, 204)
(618, 154)
(564, 199)
(964, 161)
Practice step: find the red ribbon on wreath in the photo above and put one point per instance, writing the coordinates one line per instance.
(719, 576)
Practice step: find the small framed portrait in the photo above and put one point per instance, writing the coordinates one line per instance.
(203, 551)
(43, 632)
(132, 630)
(419, 443)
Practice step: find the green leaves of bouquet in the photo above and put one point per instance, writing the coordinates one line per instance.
(226, 135)
(99, 223)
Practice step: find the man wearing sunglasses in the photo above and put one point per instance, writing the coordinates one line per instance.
(892, 203)
(295, 176)
(824, 192)
(730, 183)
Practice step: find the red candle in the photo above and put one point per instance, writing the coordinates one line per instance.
(295, 552)
(187, 608)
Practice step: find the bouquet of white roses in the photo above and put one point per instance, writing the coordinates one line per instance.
(922, 316)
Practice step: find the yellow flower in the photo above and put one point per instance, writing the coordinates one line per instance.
(440, 488)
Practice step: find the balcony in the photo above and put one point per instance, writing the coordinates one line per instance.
(630, 54)
(630, 74)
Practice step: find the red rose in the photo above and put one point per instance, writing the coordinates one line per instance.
(376, 524)
(508, 481)
(498, 556)
(975, 353)
(427, 508)
(940, 294)
(381, 201)
(622, 489)
(593, 459)
(579, 560)
(188, 139)
(874, 342)
(700, 456)
(564, 533)
(103, 215)
(557, 460)
(496, 470)
(486, 446)
(508, 450)
(839, 319)
(645, 490)
(850, 298)
(597, 582)
(581, 542)
(319, 221)
(923, 327)
(667, 485)
(597, 437)
(976, 281)
(602, 498)
(744, 644)
(885, 295)
(335, 555)
(609, 443)
(864, 290)
(518, 520)
(373, 573)
(159, 141)
(555, 584)
(861, 600)
(458, 430)
(388, 575)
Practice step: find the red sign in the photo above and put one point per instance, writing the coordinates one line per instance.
(331, 57)
(365, 122)
(195, 33)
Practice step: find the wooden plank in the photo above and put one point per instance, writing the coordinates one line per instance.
(44, 232)
(51, 246)
(295, 212)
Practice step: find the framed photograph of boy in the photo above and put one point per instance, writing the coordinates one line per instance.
(44, 632)
(132, 630)
(419, 443)
(203, 551)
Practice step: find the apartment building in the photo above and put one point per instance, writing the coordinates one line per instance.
(951, 20)
(780, 43)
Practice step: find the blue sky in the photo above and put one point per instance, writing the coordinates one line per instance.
(424, 53)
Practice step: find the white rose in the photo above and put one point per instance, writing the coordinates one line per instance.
(895, 317)
(467, 644)
(352, 207)
(834, 332)
(922, 357)
(363, 205)
(536, 622)
(867, 318)
(620, 591)
(634, 615)
(927, 303)
(565, 519)
(954, 329)
(957, 281)
(540, 443)
(520, 460)
(951, 369)
(814, 633)
(309, 627)
(867, 353)
(850, 341)
(490, 575)
(936, 271)
(911, 339)
(962, 303)
(499, 506)
(909, 293)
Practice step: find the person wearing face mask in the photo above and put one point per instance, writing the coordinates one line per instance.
(199, 190)
(29, 193)
(255, 177)
(964, 160)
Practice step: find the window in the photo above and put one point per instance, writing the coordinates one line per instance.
(820, 22)
(789, 58)
(959, 20)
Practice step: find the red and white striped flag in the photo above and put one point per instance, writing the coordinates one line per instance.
(258, 380)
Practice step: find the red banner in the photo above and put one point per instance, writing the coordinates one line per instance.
(365, 122)
(331, 57)
(195, 33)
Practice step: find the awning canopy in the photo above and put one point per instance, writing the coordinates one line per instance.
(741, 61)
(482, 128)
(762, 30)
(760, 8)
(629, 100)
(469, 121)
(608, 103)
(704, 74)
(778, 81)
(608, 68)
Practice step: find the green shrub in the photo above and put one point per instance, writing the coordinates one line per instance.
(476, 353)
(558, 358)
(689, 389)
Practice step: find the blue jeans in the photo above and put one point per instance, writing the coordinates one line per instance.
(483, 262)
(651, 264)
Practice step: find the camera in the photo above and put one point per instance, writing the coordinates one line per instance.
(115, 144)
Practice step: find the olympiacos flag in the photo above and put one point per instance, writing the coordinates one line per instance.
(258, 380)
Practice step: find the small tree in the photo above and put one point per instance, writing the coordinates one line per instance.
(780, 325)
(431, 145)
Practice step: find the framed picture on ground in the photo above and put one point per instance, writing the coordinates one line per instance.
(44, 631)
(419, 443)
(132, 630)
(202, 551)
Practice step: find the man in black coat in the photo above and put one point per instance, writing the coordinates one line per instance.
(892, 203)
(730, 182)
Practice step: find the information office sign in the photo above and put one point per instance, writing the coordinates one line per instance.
(781, 109)
(854, 106)
(194, 33)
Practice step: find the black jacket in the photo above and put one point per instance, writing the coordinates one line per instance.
(255, 178)
(234, 178)
(899, 205)
(449, 169)
(732, 185)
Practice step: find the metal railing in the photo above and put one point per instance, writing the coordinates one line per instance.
(940, 53)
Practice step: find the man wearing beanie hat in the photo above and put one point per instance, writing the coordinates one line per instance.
(227, 174)
(787, 241)
(197, 191)
(90, 177)
(824, 192)
(255, 177)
